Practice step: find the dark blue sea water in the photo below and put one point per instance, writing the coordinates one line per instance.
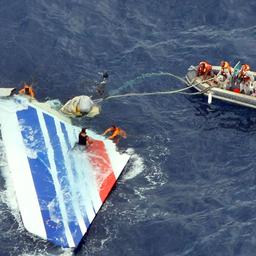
(190, 187)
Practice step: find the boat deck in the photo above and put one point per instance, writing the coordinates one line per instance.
(217, 92)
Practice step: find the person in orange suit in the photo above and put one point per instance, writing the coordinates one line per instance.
(225, 75)
(226, 69)
(204, 69)
(116, 133)
(245, 79)
(244, 73)
(27, 90)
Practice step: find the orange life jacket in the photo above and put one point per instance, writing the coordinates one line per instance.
(224, 67)
(27, 90)
(246, 67)
(243, 73)
(204, 68)
(116, 131)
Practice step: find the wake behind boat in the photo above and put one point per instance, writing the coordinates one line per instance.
(214, 85)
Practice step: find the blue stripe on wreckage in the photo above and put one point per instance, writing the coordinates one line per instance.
(42, 178)
(91, 201)
(69, 146)
(62, 177)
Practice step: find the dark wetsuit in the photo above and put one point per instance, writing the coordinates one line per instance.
(82, 138)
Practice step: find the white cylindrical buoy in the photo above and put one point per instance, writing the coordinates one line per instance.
(210, 98)
(85, 104)
(79, 105)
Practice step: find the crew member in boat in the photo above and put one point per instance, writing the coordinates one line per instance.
(245, 79)
(27, 90)
(116, 133)
(83, 138)
(204, 69)
(224, 77)
(253, 89)
(226, 69)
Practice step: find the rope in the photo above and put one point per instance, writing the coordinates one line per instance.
(148, 93)
(200, 92)
(181, 91)
(147, 75)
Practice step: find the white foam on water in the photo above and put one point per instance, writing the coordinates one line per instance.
(8, 197)
(108, 237)
(54, 104)
(156, 177)
(3, 158)
(140, 192)
(43, 252)
(137, 165)
(67, 252)
(14, 104)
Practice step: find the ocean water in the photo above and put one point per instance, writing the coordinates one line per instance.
(190, 186)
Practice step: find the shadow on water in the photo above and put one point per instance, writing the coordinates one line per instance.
(224, 114)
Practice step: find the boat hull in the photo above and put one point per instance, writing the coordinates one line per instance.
(218, 93)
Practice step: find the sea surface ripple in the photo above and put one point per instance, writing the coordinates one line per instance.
(190, 187)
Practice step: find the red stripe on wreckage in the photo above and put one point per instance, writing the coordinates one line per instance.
(100, 161)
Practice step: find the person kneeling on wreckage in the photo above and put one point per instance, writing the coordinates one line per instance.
(84, 139)
(27, 90)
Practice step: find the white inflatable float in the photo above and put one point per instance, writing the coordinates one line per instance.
(81, 105)
(59, 187)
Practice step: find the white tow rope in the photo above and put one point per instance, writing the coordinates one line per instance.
(181, 91)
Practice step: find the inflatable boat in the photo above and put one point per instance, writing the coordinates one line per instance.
(59, 187)
(212, 89)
